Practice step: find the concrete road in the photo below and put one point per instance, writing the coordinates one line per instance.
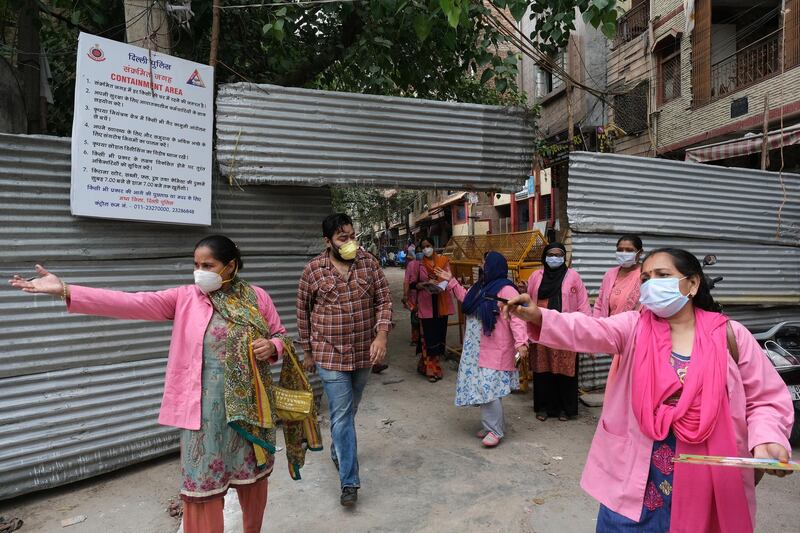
(422, 470)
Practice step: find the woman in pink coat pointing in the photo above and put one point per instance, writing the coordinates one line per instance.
(555, 372)
(487, 370)
(689, 382)
(219, 324)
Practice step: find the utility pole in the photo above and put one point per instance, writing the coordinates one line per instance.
(28, 62)
(570, 119)
(212, 60)
(148, 25)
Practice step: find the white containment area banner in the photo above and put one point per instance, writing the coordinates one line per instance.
(142, 135)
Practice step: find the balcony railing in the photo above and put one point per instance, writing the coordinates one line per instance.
(632, 24)
(750, 65)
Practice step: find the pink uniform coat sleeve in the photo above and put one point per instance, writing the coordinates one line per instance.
(272, 319)
(457, 289)
(158, 305)
(602, 303)
(519, 328)
(578, 332)
(768, 405)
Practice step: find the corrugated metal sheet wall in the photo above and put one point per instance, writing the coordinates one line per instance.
(754, 274)
(279, 135)
(611, 193)
(728, 212)
(79, 395)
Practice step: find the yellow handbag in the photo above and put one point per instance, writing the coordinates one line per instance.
(291, 404)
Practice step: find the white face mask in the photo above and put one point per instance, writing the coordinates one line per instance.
(554, 261)
(207, 281)
(428, 251)
(626, 259)
(663, 296)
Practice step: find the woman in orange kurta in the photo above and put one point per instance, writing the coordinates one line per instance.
(434, 306)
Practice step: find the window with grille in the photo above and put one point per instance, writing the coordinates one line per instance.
(545, 211)
(669, 70)
(630, 109)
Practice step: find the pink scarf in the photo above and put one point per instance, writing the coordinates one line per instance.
(705, 498)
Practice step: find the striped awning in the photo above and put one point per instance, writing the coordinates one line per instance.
(748, 145)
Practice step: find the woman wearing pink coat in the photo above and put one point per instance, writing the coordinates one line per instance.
(619, 291)
(219, 324)
(555, 372)
(487, 371)
(690, 382)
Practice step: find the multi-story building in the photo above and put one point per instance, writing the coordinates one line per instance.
(439, 215)
(584, 59)
(712, 86)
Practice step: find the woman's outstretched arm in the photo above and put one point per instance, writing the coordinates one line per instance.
(157, 305)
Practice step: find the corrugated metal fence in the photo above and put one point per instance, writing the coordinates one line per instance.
(617, 193)
(79, 395)
(729, 212)
(279, 135)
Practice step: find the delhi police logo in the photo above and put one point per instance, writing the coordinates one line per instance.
(195, 79)
(96, 53)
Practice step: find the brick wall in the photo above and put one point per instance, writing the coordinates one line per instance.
(659, 8)
(627, 64)
(678, 123)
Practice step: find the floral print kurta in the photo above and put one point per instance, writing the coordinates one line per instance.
(215, 456)
(476, 385)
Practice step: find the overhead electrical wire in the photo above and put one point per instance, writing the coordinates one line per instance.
(288, 4)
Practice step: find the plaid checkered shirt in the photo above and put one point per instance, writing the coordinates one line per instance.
(338, 319)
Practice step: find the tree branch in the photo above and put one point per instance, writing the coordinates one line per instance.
(63, 18)
(352, 27)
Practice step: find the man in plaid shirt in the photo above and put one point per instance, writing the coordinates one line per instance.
(344, 314)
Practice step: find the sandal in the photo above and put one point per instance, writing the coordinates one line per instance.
(563, 418)
(541, 418)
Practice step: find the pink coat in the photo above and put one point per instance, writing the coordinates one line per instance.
(498, 349)
(602, 304)
(418, 272)
(190, 311)
(619, 458)
(573, 292)
(409, 277)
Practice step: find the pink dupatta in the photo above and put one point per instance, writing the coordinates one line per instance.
(705, 498)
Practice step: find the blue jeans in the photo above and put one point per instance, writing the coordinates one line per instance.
(344, 390)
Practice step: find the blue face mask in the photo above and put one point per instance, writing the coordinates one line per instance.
(663, 296)
(418, 256)
(553, 261)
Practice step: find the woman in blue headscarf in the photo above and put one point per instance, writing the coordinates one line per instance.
(487, 370)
